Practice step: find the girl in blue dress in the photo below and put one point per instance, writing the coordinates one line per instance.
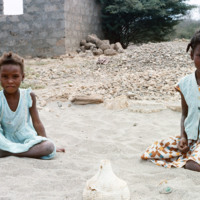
(22, 133)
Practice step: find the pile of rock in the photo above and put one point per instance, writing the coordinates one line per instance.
(143, 72)
(99, 47)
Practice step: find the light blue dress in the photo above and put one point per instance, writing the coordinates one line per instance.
(17, 133)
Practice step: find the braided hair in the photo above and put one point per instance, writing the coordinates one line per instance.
(12, 58)
(194, 41)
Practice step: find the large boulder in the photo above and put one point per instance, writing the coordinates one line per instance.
(105, 46)
(112, 46)
(97, 52)
(92, 38)
(99, 43)
(118, 47)
(83, 42)
(89, 45)
(106, 41)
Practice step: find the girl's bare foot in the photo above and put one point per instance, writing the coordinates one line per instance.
(60, 150)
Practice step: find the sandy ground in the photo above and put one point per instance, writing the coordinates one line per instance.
(93, 132)
(89, 134)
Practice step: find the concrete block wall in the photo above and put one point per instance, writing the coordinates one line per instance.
(1, 7)
(48, 27)
(82, 17)
(35, 33)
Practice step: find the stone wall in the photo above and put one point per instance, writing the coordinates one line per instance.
(48, 27)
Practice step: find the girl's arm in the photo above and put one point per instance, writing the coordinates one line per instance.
(37, 124)
(183, 143)
(184, 115)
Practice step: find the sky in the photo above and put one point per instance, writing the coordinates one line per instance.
(15, 7)
(195, 13)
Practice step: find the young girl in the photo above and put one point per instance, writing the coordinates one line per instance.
(183, 150)
(22, 133)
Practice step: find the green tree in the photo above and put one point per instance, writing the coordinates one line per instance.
(141, 20)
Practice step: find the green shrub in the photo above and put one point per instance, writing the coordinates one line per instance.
(140, 20)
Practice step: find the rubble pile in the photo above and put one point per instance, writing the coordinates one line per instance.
(143, 72)
(99, 47)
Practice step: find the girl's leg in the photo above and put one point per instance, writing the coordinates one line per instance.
(192, 165)
(37, 151)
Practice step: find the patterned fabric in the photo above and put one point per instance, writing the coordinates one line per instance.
(165, 153)
(17, 133)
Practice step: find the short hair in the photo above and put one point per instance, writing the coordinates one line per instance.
(195, 40)
(12, 58)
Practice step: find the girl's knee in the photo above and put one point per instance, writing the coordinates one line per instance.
(48, 147)
(188, 164)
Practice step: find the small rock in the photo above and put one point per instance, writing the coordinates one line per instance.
(130, 95)
(103, 60)
(59, 104)
(71, 54)
(83, 42)
(110, 52)
(97, 52)
(82, 48)
(78, 50)
(89, 53)
(83, 100)
(43, 103)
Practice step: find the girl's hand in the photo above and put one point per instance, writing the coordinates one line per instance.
(183, 145)
(60, 150)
